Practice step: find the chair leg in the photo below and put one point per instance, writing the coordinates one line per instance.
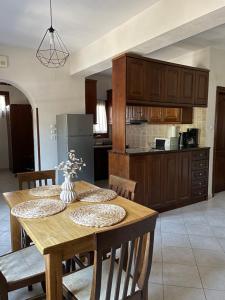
(43, 285)
(30, 288)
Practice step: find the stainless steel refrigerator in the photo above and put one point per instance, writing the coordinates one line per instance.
(75, 132)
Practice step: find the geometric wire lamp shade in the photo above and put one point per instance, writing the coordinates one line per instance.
(52, 52)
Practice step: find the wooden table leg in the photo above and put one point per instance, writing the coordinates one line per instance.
(15, 233)
(53, 276)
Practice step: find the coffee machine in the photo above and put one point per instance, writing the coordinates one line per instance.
(189, 139)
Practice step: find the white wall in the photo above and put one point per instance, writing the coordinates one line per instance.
(16, 97)
(53, 91)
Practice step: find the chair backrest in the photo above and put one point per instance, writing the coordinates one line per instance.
(138, 239)
(31, 178)
(123, 187)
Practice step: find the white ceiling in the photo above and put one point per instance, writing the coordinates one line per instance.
(211, 38)
(79, 22)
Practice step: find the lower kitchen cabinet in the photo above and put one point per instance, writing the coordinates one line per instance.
(166, 180)
(184, 178)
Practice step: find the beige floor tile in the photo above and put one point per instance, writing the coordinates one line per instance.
(205, 242)
(155, 291)
(181, 275)
(214, 295)
(175, 240)
(209, 257)
(178, 255)
(183, 293)
(213, 277)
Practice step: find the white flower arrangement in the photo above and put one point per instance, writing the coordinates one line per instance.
(71, 167)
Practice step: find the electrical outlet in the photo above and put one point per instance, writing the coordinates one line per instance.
(3, 61)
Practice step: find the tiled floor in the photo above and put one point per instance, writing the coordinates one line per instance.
(189, 250)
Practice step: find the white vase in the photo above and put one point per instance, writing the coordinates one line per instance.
(68, 194)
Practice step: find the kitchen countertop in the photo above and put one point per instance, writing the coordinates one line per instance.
(142, 151)
(102, 146)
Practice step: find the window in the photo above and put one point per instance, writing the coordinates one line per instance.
(2, 106)
(101, 118)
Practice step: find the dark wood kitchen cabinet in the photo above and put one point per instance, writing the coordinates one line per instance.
(184, 177)
(165, 180)
(91, 97)
(172, 115)
(135, 79)
(139, 169)
(155, 81)
(172, 85)
(170, 178)
(187, 88)
(201, 89)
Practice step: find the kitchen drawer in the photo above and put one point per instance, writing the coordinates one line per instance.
(199, 174)
(199, 164)
(198, 193)
(199, 183)
(198, 155)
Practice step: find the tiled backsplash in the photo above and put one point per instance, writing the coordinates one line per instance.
(143, 135)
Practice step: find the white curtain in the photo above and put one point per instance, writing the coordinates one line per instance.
(2, 106)
(101, 126)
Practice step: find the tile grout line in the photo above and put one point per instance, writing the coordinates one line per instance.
(195, 259)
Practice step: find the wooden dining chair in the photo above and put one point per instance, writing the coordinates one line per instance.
(106, 279)
(20, 269)
(122, 186)
(31, 179)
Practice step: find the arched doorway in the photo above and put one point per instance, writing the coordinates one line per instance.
(16, 130)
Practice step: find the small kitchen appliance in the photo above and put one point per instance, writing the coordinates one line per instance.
(192, 137)
(166, 143)
(188, 139)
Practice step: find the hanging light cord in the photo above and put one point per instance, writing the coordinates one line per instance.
(51, 11)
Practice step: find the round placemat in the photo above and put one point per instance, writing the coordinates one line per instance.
(38, 208)
(46, 191)
(99, 215)
(97, 195)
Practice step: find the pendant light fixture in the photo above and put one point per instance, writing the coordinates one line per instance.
(52, 52)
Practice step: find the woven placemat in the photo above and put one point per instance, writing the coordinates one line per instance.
(46, 191)
(38, 208)
(97, 195)
(98, 215)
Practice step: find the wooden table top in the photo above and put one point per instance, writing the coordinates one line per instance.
(60, 232)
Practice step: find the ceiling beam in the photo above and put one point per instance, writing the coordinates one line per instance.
(161, 25)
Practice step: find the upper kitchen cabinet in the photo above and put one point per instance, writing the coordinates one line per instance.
(155, 81)
(201, 89)
(91, 97)
(135, 79)
(187, 87)
(172, 85)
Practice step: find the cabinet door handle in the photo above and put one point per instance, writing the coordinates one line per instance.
(200, 183)
(200, 193)
(200, 174)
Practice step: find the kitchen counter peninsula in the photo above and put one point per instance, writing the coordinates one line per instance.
(140, 151)
(166, 179)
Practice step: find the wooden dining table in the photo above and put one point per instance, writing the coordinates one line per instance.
(58, 238)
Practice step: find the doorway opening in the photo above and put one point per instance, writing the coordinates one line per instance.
(16, 130)
(219, 143)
